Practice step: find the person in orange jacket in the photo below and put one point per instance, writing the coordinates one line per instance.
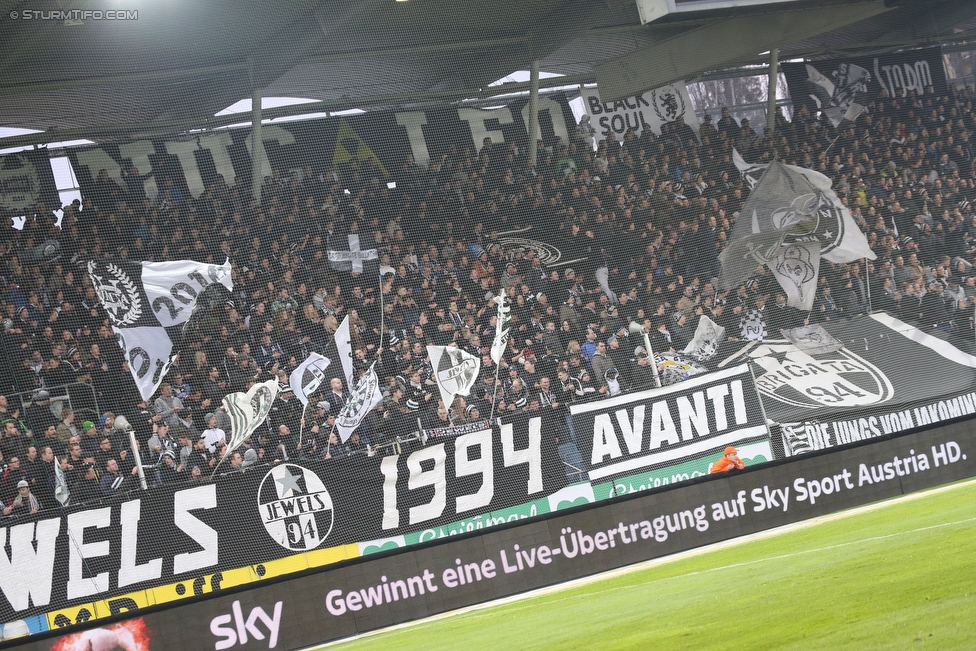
(729, 462)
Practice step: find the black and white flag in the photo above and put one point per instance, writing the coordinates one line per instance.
(353, 258)
(308, 376)
(836, 97)
(797, 269)
(676, 367)
(146, 303)
(247, 410)
(455, 371)
(752, 326)
(708, 336)
(789, 211)
(501, 329)
(366, 396)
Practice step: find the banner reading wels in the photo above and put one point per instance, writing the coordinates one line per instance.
(697, 417)
(372, 593)
(146, 548)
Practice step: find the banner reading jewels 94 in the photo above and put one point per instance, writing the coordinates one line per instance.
(150, 547)
(662, 427)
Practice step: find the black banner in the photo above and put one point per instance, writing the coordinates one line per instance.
(663, 427)
(376, 143)
(887, 377)
(154, 547)
(415, 583)
(26, 179)
(831, 85)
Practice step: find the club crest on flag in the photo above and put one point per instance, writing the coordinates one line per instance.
(814, 218)
(308, 376)
(455, 371)
(811, 379)
(669, 103)
(360, 402)
(296, 508)
(118, 294)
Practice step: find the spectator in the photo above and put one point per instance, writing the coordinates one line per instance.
(24, 503)
(112, 480)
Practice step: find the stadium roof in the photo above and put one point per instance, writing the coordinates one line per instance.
(179, 64)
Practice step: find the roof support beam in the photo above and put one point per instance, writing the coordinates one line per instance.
(430, 48)
(720, 43)
(152, 76)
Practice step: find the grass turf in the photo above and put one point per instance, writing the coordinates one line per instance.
(898, 577)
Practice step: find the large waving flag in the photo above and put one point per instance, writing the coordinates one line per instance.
(791, 219)
(147, 303)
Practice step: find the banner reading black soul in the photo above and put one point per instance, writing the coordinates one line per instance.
(887, 377)
(658, 427)
(377, 141)
(832, 84)
(26, 179)
(160, 546)
(415, 583)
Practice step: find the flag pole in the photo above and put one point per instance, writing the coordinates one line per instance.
(494, 390)
(328, 447)
(867, 282)
(301, 426)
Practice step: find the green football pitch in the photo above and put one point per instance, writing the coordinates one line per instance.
(897, 575)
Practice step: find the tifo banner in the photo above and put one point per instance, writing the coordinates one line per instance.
(832, 85)
(650, 110)
(376, 144)
(26, 179)
(381, 591)
(881, 376)
(155, 547)
(659, 427)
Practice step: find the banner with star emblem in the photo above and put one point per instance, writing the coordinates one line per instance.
(147, 302)
(852, 379)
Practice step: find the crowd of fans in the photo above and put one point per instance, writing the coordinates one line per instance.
(654, 210)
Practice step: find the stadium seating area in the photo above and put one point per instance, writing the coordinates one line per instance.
(656, 211)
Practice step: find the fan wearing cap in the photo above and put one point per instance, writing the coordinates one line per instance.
(24, 503)
(729, 462)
